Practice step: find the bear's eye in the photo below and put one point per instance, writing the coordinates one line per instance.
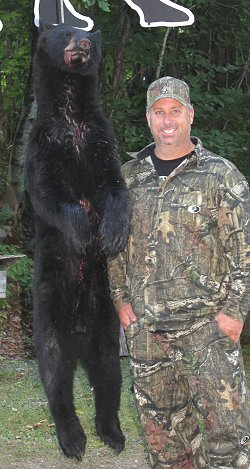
(68, 35)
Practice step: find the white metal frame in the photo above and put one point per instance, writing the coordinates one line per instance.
(172, 24)
(68, 5)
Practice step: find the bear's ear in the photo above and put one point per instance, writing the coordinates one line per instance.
(98, 38)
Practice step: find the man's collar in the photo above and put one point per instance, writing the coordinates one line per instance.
(147, 151)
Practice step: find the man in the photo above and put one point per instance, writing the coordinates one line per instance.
(181, 289)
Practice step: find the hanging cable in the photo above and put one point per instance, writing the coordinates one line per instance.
(60, 11)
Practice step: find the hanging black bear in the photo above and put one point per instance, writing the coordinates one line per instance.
(82, 214)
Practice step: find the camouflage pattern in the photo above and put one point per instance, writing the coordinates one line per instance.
(168, 87)
(178, 380)
(188, 253)
(187, 258)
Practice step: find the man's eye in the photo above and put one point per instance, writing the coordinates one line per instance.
(176, 111)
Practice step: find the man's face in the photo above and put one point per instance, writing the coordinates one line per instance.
(170, 122)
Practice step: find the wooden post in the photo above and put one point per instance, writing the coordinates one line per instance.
(5, 262)
(3, 283)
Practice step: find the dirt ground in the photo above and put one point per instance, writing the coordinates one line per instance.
(133, 457)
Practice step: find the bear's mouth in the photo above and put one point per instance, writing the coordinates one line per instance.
(72, 57)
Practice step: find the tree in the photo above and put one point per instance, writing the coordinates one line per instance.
(14, 60)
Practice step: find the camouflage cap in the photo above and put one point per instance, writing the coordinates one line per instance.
(168, 87)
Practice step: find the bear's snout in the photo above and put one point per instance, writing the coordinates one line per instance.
(78, 50)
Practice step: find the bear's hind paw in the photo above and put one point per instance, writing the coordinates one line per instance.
(113, 437)
(73, 443)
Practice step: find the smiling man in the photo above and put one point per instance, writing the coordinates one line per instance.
(170, 124)
(182, 291)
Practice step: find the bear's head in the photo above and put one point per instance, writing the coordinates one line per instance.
(70, 49)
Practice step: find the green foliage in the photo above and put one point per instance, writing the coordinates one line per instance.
(102, 4)
(226, 131)
(5, 215)
(14, 58)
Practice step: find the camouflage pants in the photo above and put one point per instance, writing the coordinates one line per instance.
(191, 397)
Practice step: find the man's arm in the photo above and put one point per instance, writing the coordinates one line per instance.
(117, 271)
(235, 236)
(117, 278)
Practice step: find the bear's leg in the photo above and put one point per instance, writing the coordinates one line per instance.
(105, 376)
(57, 366)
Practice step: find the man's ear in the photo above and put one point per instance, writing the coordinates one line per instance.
(148, 118)
(191, 114)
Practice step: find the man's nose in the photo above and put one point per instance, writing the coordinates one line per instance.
(167, 118)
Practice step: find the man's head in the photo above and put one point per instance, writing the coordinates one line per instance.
(170, 113)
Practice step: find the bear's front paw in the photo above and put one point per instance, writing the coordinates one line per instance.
(113, 237)
(85, 236)
(79, 242)
(80, 236)
(77, 227)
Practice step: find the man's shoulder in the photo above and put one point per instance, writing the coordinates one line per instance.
(130, 166)
(212, 160)
(137, 162)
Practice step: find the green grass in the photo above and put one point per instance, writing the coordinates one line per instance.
(26, 424)
(246, 356)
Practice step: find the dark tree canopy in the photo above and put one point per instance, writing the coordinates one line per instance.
(212, 55)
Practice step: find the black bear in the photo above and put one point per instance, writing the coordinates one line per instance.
(82, 213)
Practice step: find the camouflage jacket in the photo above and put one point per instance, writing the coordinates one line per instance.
(188, 252)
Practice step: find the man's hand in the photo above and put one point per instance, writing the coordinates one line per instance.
(230, 327)
(127, 315)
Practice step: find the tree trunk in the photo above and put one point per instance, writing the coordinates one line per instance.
(161, 56)
(14, 190)
(3, 145)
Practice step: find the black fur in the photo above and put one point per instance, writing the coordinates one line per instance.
(82, 214)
